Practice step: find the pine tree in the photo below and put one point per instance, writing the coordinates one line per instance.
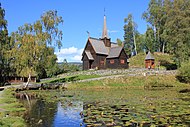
(129, 35)
(4, 46)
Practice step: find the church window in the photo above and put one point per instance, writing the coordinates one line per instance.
(102, 62)
(122, 61)
(112, 61)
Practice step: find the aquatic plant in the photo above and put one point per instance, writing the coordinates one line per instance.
(148, 108)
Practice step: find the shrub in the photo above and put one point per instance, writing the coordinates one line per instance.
(183, 74)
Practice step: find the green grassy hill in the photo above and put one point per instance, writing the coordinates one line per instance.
(166, 61)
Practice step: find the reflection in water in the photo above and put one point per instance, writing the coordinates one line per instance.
(68, 116)
(52, 114)
(41, 113)
(156, 107)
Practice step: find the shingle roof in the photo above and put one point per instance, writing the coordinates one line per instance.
(149, 56)
(98, 46)
(89, 55)
(114, 45)
(114, 52)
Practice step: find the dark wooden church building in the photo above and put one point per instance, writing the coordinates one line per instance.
(102, 53)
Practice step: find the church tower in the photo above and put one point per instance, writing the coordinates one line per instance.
(105, 36)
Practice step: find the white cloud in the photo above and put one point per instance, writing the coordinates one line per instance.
(71, 54)
(77, 58)
(113, 31)
(67, 51)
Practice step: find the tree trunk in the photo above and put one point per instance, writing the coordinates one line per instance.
(29, 79)
(163, 48)
(134, 38)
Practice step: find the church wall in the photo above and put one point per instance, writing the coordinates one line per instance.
(123, 58)
(85, 62)
(100, 61)
(117, 63)
(112, 63)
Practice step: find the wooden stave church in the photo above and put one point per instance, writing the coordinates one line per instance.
(103, 54)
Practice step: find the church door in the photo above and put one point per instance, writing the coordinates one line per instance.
(90, 64)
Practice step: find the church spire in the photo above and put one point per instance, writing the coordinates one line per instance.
(104, 32)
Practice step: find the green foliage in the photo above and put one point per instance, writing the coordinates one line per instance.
(4, 46)
(150, 44)
(129, 33)
(169, 20)
(140, 42)
(183, 74)
(154, 16)
(119, 42)
(32, 53)
(178, 30)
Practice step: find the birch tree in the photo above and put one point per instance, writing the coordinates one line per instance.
(32, 43)
(129, 35)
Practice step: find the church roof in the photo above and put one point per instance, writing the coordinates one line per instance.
(114, 45)
(98, 46)
(114, 52)
(149, 56)
(89, 55)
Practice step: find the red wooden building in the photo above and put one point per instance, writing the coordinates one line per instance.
(149, 61)
(20, 79)
(102, 53)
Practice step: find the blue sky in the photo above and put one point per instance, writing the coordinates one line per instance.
(79, 16)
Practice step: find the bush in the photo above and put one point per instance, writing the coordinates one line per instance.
(183, 74)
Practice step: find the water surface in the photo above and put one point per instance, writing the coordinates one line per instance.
(118, 107)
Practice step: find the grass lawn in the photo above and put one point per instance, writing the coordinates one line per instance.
(69, 78)
(147, 82)
(12, 111)
(165, 60)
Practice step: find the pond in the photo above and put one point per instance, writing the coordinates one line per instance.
(109, 107)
